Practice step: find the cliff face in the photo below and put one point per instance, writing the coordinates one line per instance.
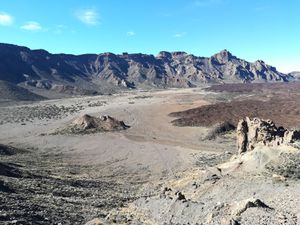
(41, 69)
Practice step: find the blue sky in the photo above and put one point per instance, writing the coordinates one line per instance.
(250, 29)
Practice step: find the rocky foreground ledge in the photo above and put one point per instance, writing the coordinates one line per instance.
(258, 185)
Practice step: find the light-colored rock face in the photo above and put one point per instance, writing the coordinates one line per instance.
(251, 132)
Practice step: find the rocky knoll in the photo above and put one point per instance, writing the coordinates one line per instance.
(251, 132)
(99, 72)
(89, 124)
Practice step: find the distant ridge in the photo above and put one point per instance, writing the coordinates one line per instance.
(108, 72)
(10, 91)
(295, 74)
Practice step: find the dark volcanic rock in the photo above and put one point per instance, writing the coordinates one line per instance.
(42, 69)
(279, 102)
(10, 170)
(9, 150)
(4, 187)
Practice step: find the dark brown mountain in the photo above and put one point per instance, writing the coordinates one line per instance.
(107, 71)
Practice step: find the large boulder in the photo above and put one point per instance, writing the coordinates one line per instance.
(251, 132)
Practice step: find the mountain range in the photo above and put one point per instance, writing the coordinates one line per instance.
(97, 73)
(295, 75)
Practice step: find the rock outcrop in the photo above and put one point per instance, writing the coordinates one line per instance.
(251, 132)
(240, 207)
(89, 124)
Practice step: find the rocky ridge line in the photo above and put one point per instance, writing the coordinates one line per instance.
(107, 71)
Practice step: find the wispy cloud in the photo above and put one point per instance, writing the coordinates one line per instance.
(32, 26)
(130, 33)
(179, 35)
(88, 16)
(6, 19)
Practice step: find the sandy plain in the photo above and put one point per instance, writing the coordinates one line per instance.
(71, 179)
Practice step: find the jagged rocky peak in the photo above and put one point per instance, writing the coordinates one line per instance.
(108, 57)
(139, 57)
(260, 63)
(107, 54)
(164, 54)
(178, 53)
(223, 56)
(170, 55)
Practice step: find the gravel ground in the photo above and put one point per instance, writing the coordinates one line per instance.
(42, 189)
(25, 114)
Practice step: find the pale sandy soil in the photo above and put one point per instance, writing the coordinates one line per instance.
(152, 145)
(81, 177)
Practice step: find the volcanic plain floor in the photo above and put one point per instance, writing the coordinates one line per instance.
(71, 179)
